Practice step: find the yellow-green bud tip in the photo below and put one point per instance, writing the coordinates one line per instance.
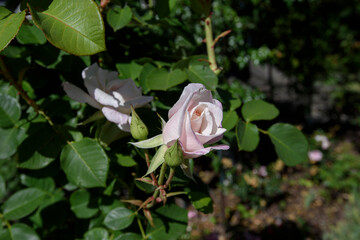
(174, 155)
(138, 128)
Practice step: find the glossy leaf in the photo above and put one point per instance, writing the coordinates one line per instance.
(30, 34)
(157, 160)
(259, 110)
(125, 161)
(234, 104)
(129, 70)
(46, 183)
(161, 79)
(118, 17)
(22, 203)
(81, 204)
(230, 119)
(40, 148)
(85, 163)
(170, 221)
(10, 24)
(19, 231)
(146, 70)
(96, 234)
(247, 135)
(8, 142)
(74, 26)
(290, 144)
(129, 236)
(9, 111)
(200, 72)
(119, 218)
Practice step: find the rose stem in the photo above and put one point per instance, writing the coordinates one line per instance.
(161, 181)
(210, 46)
(140, 226)
(171, 175)
(147, 159)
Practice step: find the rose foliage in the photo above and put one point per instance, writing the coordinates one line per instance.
(108, 162)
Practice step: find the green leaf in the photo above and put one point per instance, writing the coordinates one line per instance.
(74, 26)
(8, 142)
(96, 234)
(30, 34)
(170, 221)
(125, 161)
(200, 72)
(259, 110)
(129, 70)
(46, 184)
(161, 79)
(247, 135)
(119, 218)
(85, 163)
(118, 17)
(82, 205)
(158, 159)
(234, 104)
(200, 197)
(290, 144)
(22, 203)
(146, 70)
(10, 24)
(10, 111)
(2, 187)
(40, 148)
(229, 120)
(129, 236)
(19, 231)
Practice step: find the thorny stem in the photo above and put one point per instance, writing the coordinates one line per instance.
(171, 175)
(210, 46)
(161, 181)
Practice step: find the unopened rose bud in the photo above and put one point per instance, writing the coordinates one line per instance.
(174, 155)
(138, 128)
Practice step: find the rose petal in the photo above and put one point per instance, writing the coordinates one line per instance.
(105, 99)
(115, 116)
(188, 138)
(79, 95)
(174, 127)
(188, 91)
(203, 151)
(209, 139)
(129, 90)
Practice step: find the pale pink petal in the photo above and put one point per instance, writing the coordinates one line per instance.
(218, 103)
(204, 151)
(173, 128)
(208, 139)
(115, 116)
(105, 99)
(79, 95)
(187, 93)
(208, 127)
(188, 138)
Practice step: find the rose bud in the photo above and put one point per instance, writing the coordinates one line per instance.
(138, 128)
(174, 155)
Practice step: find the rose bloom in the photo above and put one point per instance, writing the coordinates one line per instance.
(109, 94)
(195, 120)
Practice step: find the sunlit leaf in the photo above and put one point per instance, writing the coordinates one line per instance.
(259, 110)
(247, 135)
(10, 24)
(118, 17)
(119, 218)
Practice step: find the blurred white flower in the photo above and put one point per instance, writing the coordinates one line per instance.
(315, 155)
(109, 94)
(325, 143)
(263, 171)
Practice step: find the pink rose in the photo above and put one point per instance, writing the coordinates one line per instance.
(195, 120)
(315, 155)
(109, 94)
